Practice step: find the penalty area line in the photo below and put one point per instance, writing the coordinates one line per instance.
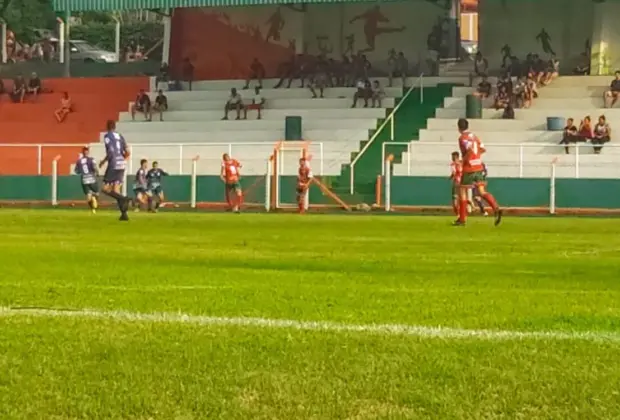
(323, 326)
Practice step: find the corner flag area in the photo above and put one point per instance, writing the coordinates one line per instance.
(282, 316)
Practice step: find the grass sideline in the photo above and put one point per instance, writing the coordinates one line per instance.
(530, 276)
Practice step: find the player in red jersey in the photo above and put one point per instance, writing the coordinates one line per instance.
(230, 176)
(456, 172)
(473, 173)
(304, 176)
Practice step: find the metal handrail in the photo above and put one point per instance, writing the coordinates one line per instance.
(390, 119)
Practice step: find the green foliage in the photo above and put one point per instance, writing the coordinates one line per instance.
(146, 34)
(22, 16)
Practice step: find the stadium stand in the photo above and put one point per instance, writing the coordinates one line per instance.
(522, 147)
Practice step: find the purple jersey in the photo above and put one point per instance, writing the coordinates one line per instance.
(141, 178)
(87, 169)
(116, 150)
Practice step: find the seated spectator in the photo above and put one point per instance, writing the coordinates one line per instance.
(583, 68)
(19, 90)
(569, 135)
(506, 82)
(235, 102)
(65, 108)
(481, 65)
(613, 93)
(502, 99)
(521, 94)
(257, 71)
(553, 71)
(532, 86)
(258, 102)
(320, 78)
(161, 104)
(142, 104)
(378, 94)
(585, 129)
(601, 134)
(539, 69)
(34, 85)
(483, 90)
(509, 112)
(364, 91)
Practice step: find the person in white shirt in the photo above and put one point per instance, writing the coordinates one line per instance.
(257, 103)
(235, 102)
(378, 94)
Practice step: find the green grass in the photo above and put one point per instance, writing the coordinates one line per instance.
(529, 275)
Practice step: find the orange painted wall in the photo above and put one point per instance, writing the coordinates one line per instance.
(32, 122)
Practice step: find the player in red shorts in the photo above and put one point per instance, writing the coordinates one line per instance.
(456, 172)
(230, 176)
(473, 173)
(304, 176)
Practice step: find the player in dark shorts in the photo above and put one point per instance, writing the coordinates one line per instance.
(156, 191)
(477, 196)
(116, 153)
(140, 187)
(86, 168)
(304, 177)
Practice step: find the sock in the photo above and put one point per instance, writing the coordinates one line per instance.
(150, 201)
(228, 199)
(90, 203)
(240, 200)
(488, 197)
(115, 195)
(94, 202)
(480, 205)
(463, 211)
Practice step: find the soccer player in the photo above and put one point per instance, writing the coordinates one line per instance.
(471, 150)
(456, 172)
(230, 177)
(153, 178)
(304, 177)
(116, 153)
(476, 193)
(140, 187)
(87, 169)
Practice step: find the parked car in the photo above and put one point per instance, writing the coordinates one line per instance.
(83, 51)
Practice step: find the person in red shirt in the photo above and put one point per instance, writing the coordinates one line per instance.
(473, 173)
(304, 177)
(230, 176)
(456, 172)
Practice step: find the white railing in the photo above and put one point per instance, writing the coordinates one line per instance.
(177, 157)
(438, 153)
(389, 120)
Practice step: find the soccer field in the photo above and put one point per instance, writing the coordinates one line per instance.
(255, 316)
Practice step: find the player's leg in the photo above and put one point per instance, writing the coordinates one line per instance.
(113, 182)
(161, 198)
(238, 198)
(455, 199)
(229, 200)
(463, 203)
(490, 199)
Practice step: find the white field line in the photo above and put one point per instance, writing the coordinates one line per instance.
(324, 326)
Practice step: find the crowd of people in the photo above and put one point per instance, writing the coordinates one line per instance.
(22, 88)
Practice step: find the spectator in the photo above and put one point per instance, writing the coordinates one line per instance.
(483, 90)
(601, 134)
(585, 129)
(65, 108)
(553, 71)
(257, 71)
(164, 73)
(319, 80)
(509, 112)
(286, 70)
(399, 68)
(19, 90)
(613, 92)
(364, 91)
(538, 69)
(142, 104)
(569, 135)
(258, 102)
(48, 49)
(34, 85)
(506, 82)
(583, 68)
(161, 104)
(520, 94)
(481, 65)
(502, 99)
(532, 87)
(378, 94)
(188, 72)
(234, 102)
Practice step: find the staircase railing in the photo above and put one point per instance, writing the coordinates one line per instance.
(389, 120)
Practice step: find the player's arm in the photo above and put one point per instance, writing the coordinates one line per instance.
(104, 161)
(77, 169)
(223, 173)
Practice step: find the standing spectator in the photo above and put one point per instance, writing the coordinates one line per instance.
(400, 69)
(601, 134)
(585, 129)
(188, 72)
(614, 91)
(34, 85)
(257, 71)
(481, 65)
(483, 90)
(258, 102)
(48, 49)
(19, 90)
(378, 94)
(161, 104)
(569, 135)
(65, 108)
(234, 102)
(142, 104)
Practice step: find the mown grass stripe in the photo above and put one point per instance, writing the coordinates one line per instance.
(327, 326)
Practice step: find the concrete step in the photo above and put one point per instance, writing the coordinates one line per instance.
(493, 137)
(453, 113)
(541, 103)
(551, 91)
(273, 114)
(486, 125)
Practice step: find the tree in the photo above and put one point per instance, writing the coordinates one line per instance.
(22, 16)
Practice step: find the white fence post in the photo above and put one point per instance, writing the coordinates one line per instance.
(520, 161)
(55, 180)
(180, 159)
(193, 185)
(39, 158)
(268, 176)
(552, 187)
(577, 147)
(388, 184)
